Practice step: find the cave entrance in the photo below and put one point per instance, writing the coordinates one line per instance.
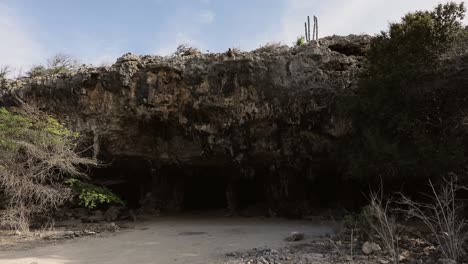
(251, 194)
(128, 177)
(182, 189)
(205, 189)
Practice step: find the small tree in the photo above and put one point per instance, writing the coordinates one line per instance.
(36, 153)
(59, 63)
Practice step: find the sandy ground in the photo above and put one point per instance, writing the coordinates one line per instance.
(193, 240)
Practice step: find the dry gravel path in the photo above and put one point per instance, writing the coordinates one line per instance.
(187, 240)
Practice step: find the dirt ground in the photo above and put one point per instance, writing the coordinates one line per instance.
(183, 239)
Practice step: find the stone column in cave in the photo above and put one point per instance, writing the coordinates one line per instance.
(232, 192)
(178, 191)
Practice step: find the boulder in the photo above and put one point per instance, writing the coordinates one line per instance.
(295, 236)
(112, 213)
(369, 248)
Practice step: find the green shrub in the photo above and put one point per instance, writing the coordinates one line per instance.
(91, 196)
(300, 41)
(360, 223)
(407, 112)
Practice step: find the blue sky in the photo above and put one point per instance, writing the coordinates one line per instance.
(98, 31)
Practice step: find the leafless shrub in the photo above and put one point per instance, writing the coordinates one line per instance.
(442, 216)
(186, 50)
(36, 154)
(5, 71)
(271, 47)
(384, 225)
(61, 63)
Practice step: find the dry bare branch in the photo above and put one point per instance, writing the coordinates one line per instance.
(36, 154)
(385, 225)
(442, 216)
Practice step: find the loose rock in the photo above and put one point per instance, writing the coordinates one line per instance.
(370, 248)
(295, 236)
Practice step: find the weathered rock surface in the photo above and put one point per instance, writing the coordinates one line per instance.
(268, 110)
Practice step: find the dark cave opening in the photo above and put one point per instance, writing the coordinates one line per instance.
(251, 193)
(205, 191)
(172, 188)
(169, 189)
(128, 177)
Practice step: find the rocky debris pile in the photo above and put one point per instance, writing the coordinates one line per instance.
(412, 251)
(62, 231)
(260, 256)
(111, 214)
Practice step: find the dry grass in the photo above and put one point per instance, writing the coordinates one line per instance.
(442, 216)
(385, 225)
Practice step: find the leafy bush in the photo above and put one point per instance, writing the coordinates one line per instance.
(360, 223)
(37, 71)
(36, 153)
(300, 41)
(408, 110)
(91, 196)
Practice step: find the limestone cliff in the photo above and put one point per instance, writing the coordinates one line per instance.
(268, 109)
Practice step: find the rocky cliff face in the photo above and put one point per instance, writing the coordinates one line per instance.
(265, 112)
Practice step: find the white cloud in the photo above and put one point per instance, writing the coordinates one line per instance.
(17, 46)
(172, 41)
(176, 34)
(343, 17)
(206, 16)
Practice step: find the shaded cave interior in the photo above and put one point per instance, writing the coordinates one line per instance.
(220, 187)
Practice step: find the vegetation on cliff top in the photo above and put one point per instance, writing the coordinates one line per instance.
(409, 110)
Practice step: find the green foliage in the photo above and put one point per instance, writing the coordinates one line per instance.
(300, 41)
(360, 223)
(38, 71)
(91, 196)
(406, 113)
(15, 126)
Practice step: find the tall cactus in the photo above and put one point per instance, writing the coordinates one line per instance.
(313, 34)
(307, 29)
(316, 27)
